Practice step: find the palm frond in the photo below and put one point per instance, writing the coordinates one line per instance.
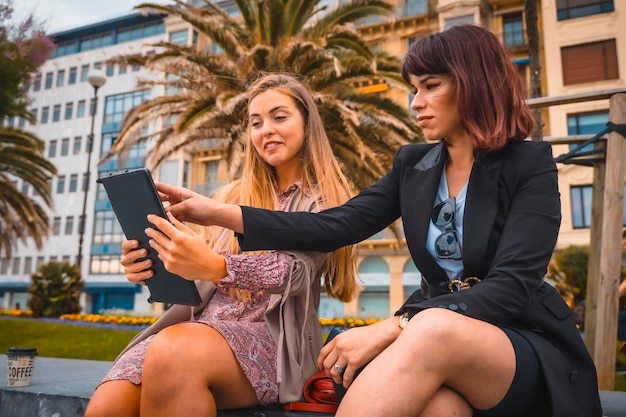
(205, 92)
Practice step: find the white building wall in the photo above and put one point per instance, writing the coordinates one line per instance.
(66, 203)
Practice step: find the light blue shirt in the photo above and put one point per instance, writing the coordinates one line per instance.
(452, 267)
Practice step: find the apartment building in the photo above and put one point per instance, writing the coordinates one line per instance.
(65, 107)
(586, 53)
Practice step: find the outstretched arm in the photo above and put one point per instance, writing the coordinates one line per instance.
(189, 206)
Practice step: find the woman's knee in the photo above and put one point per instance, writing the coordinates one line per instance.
(438, 328)
(114, 399)
(176, 345)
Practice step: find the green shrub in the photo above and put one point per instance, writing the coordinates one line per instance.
(569, 270)
(55, 290)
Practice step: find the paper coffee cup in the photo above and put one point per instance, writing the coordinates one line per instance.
(21, 366)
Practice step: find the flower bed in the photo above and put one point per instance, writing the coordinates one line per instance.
(138, 322)
(110, 319)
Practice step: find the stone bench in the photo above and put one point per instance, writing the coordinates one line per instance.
(62, 387)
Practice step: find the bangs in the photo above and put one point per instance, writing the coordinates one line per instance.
(427, 55)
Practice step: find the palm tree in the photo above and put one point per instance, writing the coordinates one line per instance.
(532, 32)
(205, 91)
(23, 217)
(23, 48)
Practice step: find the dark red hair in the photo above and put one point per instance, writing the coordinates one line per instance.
(490, 95)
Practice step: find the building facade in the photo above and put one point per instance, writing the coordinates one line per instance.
(62, 102)
(65, 107)
(586, 53)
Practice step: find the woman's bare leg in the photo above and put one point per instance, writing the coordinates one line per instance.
(439, 348)
(190, 370)
(447, 403)
(114, 399)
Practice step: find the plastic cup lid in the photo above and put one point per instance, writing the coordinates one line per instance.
(22, 351)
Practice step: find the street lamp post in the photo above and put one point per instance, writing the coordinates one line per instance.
(96, 79)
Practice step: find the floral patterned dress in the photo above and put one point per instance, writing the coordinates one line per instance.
(239, 319)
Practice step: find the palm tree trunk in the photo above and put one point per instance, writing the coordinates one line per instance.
(532, 33)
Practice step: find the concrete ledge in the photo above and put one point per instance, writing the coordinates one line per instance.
(62, 388)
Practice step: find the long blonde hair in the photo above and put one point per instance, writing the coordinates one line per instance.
(320, 172)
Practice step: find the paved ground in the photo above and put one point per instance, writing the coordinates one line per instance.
(62, 387)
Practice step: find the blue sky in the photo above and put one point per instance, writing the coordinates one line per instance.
(61, 15)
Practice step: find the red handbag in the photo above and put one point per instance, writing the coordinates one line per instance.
(319, 392)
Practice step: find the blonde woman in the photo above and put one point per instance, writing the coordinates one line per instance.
(256, 337)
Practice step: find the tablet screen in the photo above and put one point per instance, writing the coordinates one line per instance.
(133, 196)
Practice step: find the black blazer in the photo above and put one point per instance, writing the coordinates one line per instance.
(511, 223)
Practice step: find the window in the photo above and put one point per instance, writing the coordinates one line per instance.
(56, 113)
(571, 9)
(69, 109)
(40, 261)
(45, 112)
(48, 83)
(73, 72)
(106, 264)
(414, 7)
(61, 184)
(115, 107)
(28, 265)
(513, 28)
(143, 30)
(56, 226)
(458, 20)
(73, 183)
(110, 70)
(106, 228)
(15, 266)
(581, 196)
(78, 140)
(586, 124)
(83, 187)
(25, 188)
(37, 83)
(80, 109)
(60, 78)
(122, 69)
(34, 113)
(65, 146)
(65, 48)
(69, 225)
(186, 174)
(84, 72)
(179, 37)
(589, 62)
(4, 266)
(52, 149)
(96, 41)
(173, 85)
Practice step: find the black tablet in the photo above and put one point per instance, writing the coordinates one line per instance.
(133, 196)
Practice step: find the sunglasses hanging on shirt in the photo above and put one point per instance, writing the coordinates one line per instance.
(447, 245)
